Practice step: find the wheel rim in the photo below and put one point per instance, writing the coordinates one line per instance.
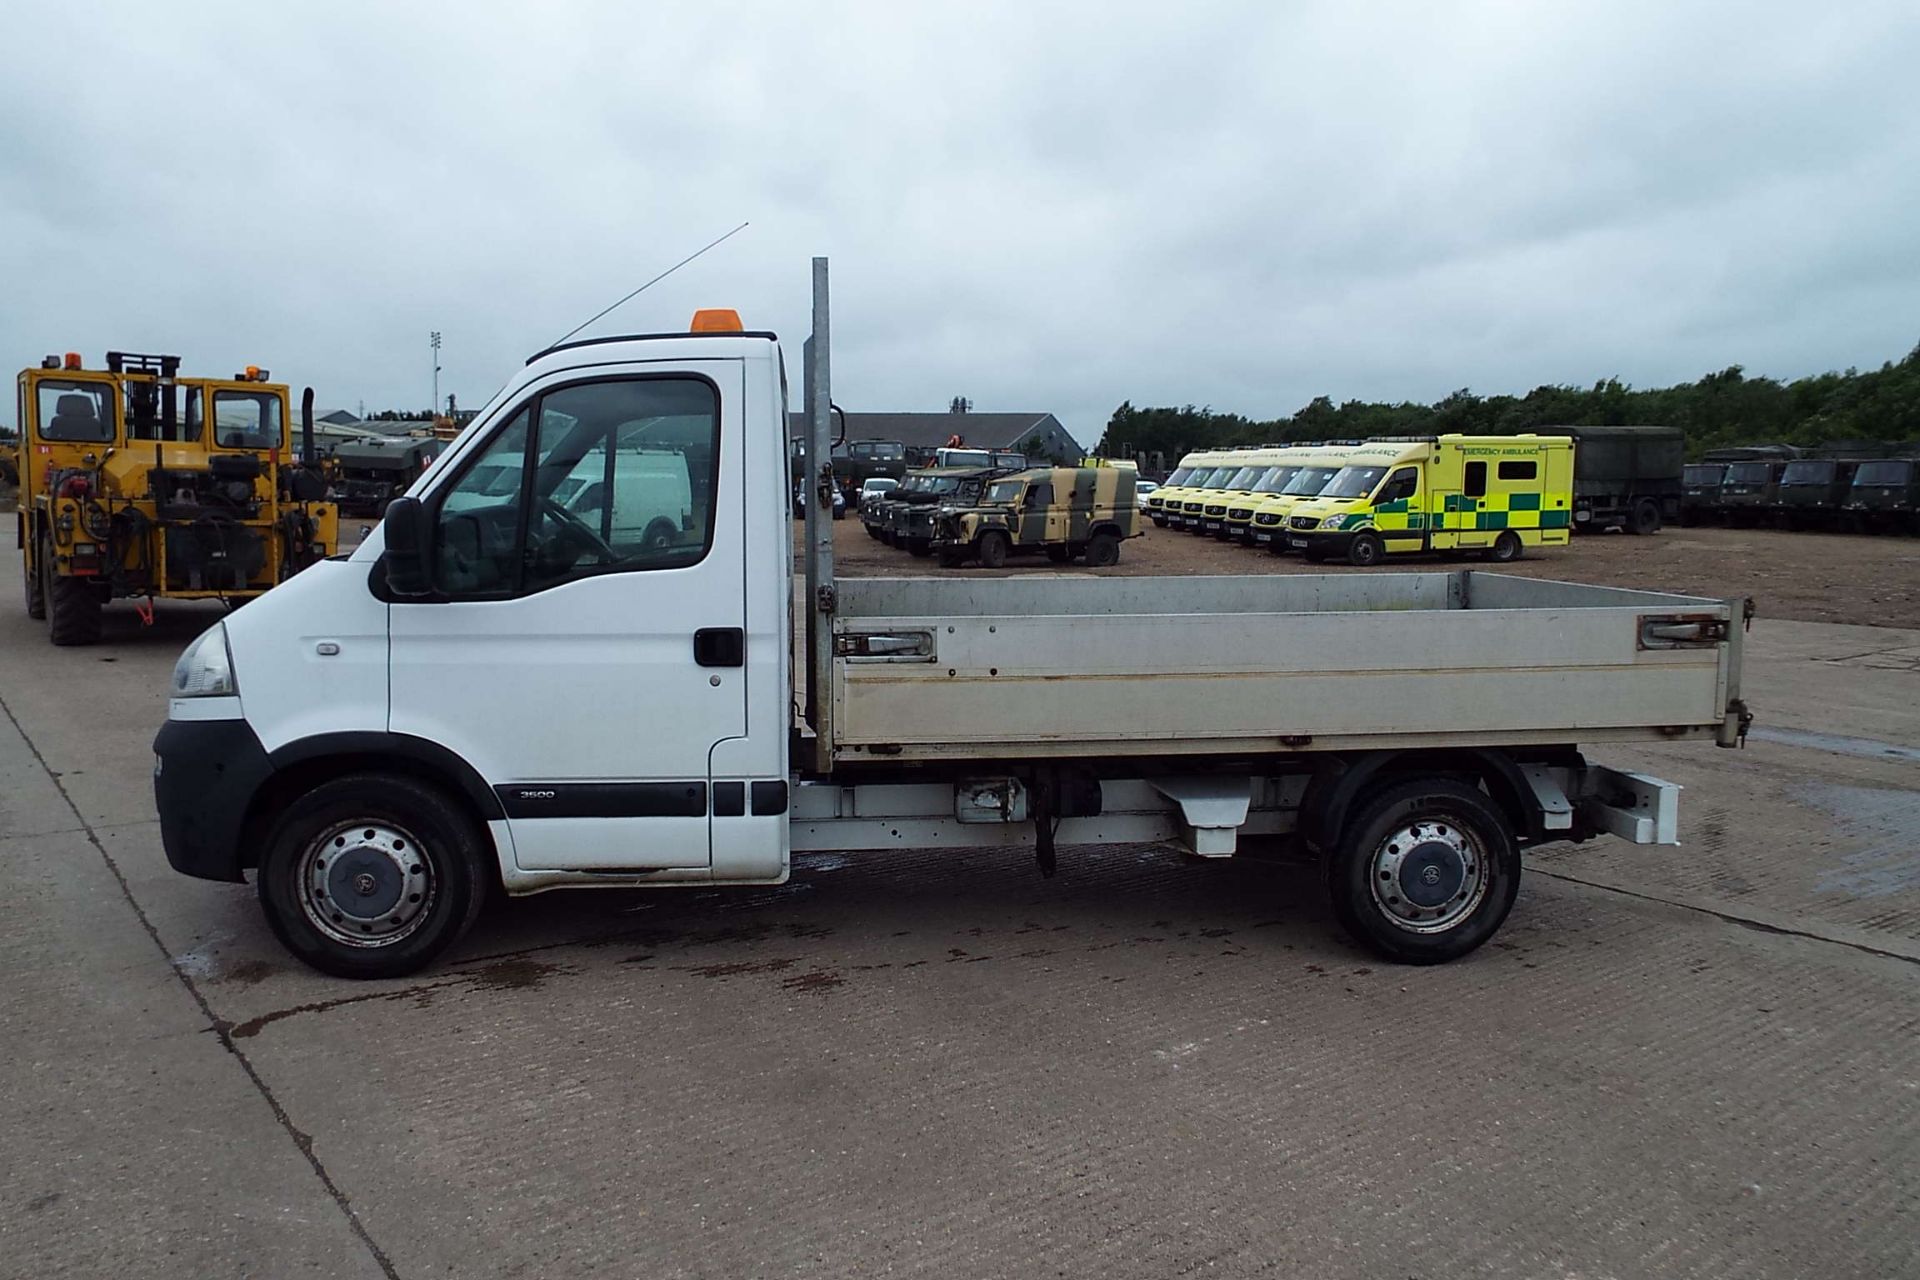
(1364, 551)
(1428, 876)
(366, 884)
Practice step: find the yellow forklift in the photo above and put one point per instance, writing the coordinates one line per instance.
(136, 483)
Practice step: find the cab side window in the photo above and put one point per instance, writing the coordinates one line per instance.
(1476, 480)
(1039, 495)
(1404, 483)
(600, 477)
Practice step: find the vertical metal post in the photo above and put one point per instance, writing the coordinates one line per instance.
(818, 482)
(433, 340)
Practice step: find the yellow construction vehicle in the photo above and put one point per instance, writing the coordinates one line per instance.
(136, 483)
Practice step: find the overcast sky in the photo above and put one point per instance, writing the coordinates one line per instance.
(1049, 206)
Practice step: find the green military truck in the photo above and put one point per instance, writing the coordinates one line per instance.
(1700, 491)
(1626, 477)
(1064, 512)
(1885, 496)
(1751, 487)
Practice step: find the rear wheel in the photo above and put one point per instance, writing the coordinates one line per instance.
(1506, 548)
(993, 548)
(72, 605)
(1645, 517)
(36, 587)
(1425, 872)
(1364, 551)
(372, 876)
(1103, 549)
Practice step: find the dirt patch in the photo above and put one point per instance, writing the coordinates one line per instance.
(1870, 580)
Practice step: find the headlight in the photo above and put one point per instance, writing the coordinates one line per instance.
(205, 670)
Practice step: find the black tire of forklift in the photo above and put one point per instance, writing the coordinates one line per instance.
(36, 589)
(1465, 843)
(432, 827)
(73, 607)
(992, 548)
(1506, 548)
(1645, 518)
(1103, 550)
(1365, 551)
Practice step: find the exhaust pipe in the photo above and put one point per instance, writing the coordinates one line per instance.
(306, 426)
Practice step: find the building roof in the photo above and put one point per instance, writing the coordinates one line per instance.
(930, 430)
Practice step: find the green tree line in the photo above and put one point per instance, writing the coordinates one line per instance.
(1725, 408)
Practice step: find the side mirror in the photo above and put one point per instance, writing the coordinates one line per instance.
(408, 538)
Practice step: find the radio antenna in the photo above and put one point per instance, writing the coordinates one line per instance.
(649, 284)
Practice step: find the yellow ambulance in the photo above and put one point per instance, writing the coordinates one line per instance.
(1193, 503)
(1318, 464)
(1239, 488)
(1164, 505)
(1493, 494)
(1288, 460)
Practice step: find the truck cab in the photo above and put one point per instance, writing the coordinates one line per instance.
(1156, 510)
(1198, 468)
(1286, 464)
(1885, 495)
(1493, 494)
(1812, 491)
(1700, 491)
(1210, 491)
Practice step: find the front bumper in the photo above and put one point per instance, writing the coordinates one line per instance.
(1332, 544)
(205, 776)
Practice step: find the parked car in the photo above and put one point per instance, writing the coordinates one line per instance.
(800, 502)
(872, 489)
(1141, 488)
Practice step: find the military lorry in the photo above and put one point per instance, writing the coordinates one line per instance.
(1750, 489)
(380, 746)
(370, 473)
(1061, 512)
(1885, 496)
(1625, 477)
(1700, 491)
(137, 483)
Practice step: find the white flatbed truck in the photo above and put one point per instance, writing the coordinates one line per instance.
(512, 690)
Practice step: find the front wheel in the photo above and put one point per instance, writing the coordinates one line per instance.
(1645, 518)
(372, 876)
(1425, 872)
(1506, 548)
(73, 607)
(1364, 551)
(993, 549)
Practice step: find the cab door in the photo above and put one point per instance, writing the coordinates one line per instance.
(587, 662)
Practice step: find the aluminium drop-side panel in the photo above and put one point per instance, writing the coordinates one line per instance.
(996, 685)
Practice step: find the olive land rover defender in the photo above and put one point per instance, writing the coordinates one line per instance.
(1064, 511)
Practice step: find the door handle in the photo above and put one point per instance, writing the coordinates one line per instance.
(720, 647)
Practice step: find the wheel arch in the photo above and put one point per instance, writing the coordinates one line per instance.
(1343, 783)
(306, 763)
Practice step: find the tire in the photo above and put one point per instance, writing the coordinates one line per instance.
(1645, 518)
(659, 535)
(1365, 551)
(35, 586)
(992, 548)
(1506, 548)
(73, 609)
(424, 847)
(1314, 555)
(839, 513)
(1425, 871)
(1103, 550)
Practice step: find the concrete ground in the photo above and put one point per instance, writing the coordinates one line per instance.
(1699, 1061)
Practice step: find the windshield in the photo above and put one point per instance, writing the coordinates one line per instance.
(1705, 473)
(1353, 482)
(1883, 473)
(1220, 479)
(1245, 477)
(74, 410)
(1179, 477)
(944, 484)
(965, 458)
(1309, 481)
(878, 485)
(886, 452)
(246, 420)
(1807, 472)
(1005, 492)
(1276, 480)
(1749, 472)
